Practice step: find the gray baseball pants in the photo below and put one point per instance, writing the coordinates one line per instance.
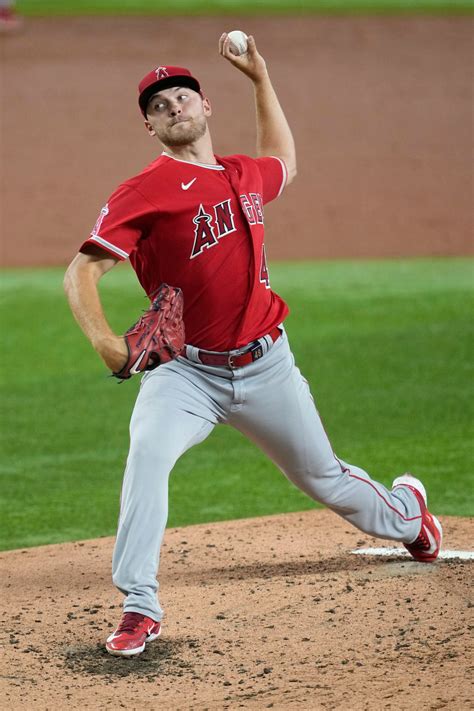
(270, 402)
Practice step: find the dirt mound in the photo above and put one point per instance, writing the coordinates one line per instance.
(261, 613)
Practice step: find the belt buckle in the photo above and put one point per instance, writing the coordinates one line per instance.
(235, 354)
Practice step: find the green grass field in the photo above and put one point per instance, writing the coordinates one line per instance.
(220, 7)
(386, 346)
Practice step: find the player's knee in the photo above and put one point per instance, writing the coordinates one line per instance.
(332, 496)
(150, 452)
(149, 464)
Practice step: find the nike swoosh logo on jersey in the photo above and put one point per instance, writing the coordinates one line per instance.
(188, 185)
(134, 369)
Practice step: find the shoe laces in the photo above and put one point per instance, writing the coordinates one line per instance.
(130, 621)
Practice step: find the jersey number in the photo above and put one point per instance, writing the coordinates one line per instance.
(264, 276)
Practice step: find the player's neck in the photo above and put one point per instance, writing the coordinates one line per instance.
(200, 151)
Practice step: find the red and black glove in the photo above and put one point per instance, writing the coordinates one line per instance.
(158, 336)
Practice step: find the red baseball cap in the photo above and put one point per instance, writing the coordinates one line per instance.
(163, 78)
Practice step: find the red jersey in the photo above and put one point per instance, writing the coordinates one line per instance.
(201, 228)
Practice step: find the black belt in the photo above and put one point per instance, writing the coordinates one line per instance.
(252, 352)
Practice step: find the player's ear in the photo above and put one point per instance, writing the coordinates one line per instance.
(149, 128)
(207, 106)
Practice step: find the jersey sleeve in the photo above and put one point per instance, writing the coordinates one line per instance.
(274, 176)
(121, 222)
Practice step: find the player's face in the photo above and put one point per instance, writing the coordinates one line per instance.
(177, 116)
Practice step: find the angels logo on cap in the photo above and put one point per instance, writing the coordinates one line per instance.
(164, 78)
(161, 73)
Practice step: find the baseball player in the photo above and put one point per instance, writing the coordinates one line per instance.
(195, 220)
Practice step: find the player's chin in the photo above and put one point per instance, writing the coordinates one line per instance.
(176, 141)
(185, 134)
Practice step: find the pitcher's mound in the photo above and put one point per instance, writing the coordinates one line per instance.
(262, 613)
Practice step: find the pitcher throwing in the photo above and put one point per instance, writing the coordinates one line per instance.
(195, 221)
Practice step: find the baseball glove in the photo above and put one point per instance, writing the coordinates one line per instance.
(158, 336)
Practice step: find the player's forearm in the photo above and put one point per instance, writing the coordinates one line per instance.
(80, 285)
(274, 137)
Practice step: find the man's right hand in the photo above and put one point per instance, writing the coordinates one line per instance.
(251, 63)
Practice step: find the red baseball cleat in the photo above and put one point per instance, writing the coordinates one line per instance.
(132, 634)
(425, 548)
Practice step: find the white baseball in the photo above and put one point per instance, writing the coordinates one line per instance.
(238, 42)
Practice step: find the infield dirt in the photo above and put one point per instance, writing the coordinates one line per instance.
(262, 613)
